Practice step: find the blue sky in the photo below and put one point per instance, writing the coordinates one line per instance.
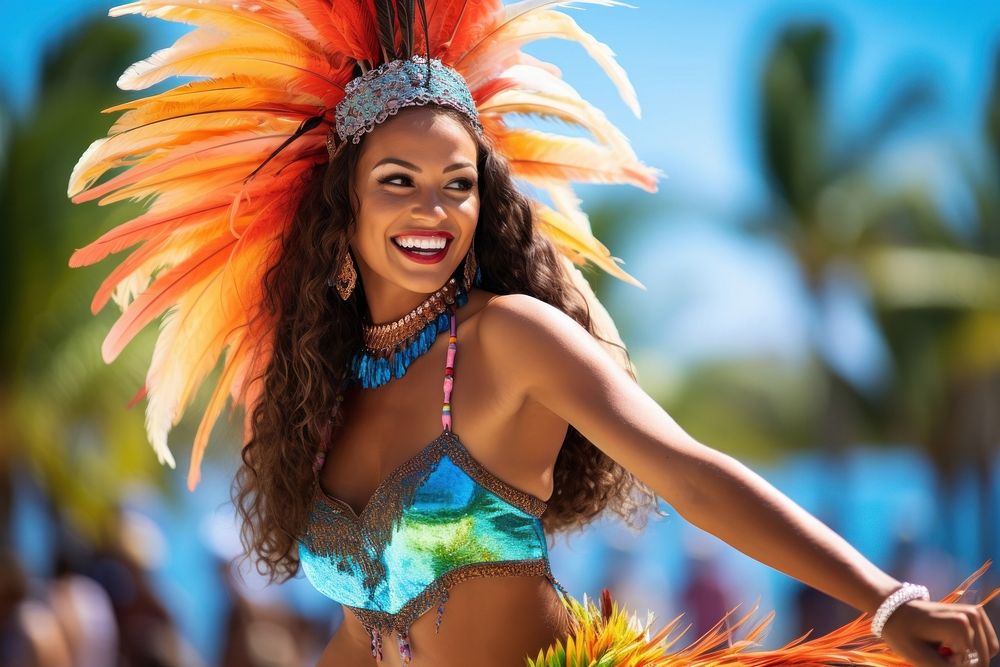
(694, 66)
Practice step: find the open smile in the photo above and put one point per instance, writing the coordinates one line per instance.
(423, 248)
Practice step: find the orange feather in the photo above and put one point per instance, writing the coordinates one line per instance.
(222, 391)
(163, 293)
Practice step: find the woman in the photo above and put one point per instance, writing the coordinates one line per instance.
(354, 469)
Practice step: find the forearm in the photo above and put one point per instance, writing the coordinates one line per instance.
(730, 501)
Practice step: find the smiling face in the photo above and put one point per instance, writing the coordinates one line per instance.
(416, 182)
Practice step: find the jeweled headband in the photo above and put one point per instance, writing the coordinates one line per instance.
(382, 92)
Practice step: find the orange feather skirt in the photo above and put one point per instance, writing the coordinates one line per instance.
(606, 635)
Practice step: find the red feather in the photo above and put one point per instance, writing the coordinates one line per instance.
(448, 22)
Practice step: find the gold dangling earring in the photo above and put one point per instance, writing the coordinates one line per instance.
(470, 267)
(347, 277)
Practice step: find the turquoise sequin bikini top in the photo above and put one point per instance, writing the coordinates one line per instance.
(437, 519)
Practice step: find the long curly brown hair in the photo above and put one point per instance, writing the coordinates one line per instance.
(316, 333)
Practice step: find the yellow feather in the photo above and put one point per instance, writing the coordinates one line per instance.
(157, 221)
(567, 203)
(134, 276)
(208, 316)
(578, 247)
(216, 318)
(236, 359)
(236, 89)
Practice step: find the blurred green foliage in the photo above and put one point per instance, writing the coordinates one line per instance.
(928, 280)
(63, 408)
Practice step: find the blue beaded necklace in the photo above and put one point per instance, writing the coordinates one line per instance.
(375, 368)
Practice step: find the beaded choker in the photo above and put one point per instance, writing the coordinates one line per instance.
(390, 348)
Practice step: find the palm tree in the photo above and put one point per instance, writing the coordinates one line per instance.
(939, 306)
(934, 293)
(823, 205)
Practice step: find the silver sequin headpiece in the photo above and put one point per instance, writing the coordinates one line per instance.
(382, 92)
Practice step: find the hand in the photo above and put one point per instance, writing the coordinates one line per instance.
(938, 634)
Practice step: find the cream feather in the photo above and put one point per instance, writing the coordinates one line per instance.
(537, 93)
(530, 21)
(280, 18)
(540, 156)
(210, 55)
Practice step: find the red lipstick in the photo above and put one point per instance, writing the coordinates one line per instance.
(424, 255)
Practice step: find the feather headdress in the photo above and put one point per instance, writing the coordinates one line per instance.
(269, 75)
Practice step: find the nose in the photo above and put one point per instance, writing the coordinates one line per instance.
(428, 206)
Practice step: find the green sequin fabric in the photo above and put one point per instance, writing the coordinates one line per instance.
(438, 519)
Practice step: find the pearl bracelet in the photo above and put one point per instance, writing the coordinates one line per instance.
(903, 595)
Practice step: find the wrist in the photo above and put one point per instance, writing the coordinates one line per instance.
(907, 592)
(878, 589)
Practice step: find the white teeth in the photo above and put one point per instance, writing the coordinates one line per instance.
(424, 243)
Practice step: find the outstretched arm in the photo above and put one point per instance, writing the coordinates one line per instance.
(551, 359)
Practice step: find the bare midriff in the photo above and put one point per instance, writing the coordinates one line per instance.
(490, 622)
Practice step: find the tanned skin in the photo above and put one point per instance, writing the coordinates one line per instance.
(524, 371)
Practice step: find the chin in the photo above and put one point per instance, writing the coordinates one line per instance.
(427, 283)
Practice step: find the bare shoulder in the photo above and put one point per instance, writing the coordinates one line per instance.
(513, 326)
(521, 315)
(528, 341)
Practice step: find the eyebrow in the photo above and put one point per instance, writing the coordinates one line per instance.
(413, 167)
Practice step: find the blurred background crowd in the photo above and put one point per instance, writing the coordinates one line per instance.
(822, 268)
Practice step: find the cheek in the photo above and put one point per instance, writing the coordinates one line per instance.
(369, 234)
(375, 214)
(469, 211)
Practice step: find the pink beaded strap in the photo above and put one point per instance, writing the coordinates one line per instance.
(449, 373)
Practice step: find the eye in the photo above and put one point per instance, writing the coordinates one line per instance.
(462, 184)
(399, 180)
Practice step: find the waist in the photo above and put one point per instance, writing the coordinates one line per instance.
(491, 622)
